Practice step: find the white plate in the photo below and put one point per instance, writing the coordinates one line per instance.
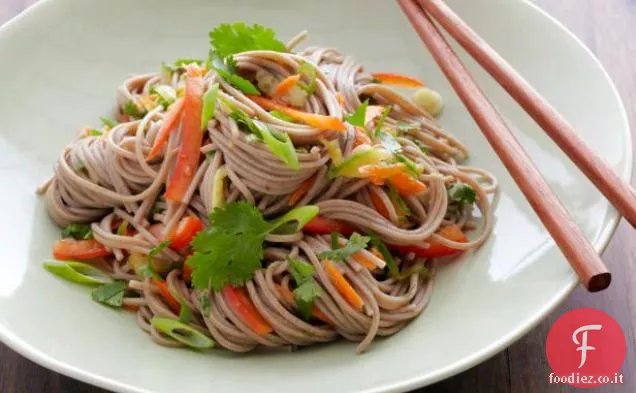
(62, 61)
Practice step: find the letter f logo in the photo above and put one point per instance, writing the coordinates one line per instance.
(583, 344)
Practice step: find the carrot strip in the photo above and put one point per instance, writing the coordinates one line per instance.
(397, 79)
(165, 293)
(301, 191)
(285, 86)
(240, 302)
(189, 152)
(169, 124)
(343, 287)
(315, 311)
(286, 293)
(379, 173)
(379, 205)
(377, 253)
(407, 185)
(321, 122)
(362, 259)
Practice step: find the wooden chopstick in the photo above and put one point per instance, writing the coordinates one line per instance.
(616, 190)
(568, 236)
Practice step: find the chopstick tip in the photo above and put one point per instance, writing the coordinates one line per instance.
(599, 282)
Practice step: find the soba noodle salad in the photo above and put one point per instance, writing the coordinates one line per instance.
(266, 197)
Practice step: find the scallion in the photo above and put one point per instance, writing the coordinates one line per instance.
(182, 333)
(77, 272)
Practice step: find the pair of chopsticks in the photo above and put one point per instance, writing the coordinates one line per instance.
(587, 264)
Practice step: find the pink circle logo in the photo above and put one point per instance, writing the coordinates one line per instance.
(586, 348)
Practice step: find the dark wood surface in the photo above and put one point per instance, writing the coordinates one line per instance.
(608, 27)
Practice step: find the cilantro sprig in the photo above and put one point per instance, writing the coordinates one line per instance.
(307, 290)
(230, 39)
(78, 231)
(462, 193)
(355, 243)
(110, 294)
(231, 250)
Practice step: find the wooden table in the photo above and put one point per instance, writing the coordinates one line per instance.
(608, 28)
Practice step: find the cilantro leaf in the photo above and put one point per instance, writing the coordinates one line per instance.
(239, 218)
(230, 64)
(305, 294)
(229, 39)
(159, 248)
(221, 258)
(355, 243)
(110, 294)
(231, 250)
(462, 193)
(78, 231)
(300, 270)
(357, 117)
(94, 132)
(307, 290)
(204, 299)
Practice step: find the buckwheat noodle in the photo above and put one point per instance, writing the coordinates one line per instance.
(106, 179)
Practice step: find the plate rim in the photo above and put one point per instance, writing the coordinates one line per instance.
(27, 350)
